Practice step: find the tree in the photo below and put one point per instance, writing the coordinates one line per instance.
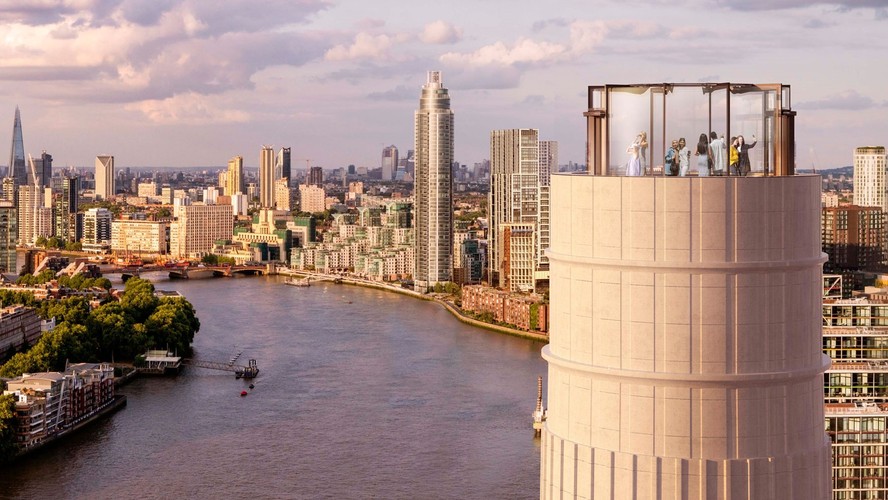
(211, 259)
(138, 297)
(74, 246)
(113, 328)
(8, 447)
(40, 241)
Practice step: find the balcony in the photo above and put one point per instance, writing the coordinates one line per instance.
(625, 122)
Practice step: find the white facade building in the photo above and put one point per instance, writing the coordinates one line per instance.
(139, 236)
(871, 177)
(96, 230)
(34, 219)
(689, 364)
(104, 177)
(198, 227)
(312, 198)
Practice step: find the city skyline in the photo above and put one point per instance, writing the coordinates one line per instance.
(292, 74)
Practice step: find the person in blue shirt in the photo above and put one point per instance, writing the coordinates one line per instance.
(671, 163)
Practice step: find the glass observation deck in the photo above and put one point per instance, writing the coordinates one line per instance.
(631, 128)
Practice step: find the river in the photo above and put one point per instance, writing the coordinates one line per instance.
(361, 394)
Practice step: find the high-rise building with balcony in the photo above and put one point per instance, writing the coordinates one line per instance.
(8, 236)
(685, 355)
(18, 169)
(871, 184)
(65, 207)
(871, 177)
(514, 198)
(96, 230)
(35, 220)
(855, 337)
(852, 237)
(104, 177)
(433, 185)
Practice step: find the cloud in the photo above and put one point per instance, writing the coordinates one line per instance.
(815, 24)
(534, 100)
(399, 93)
(188, 109)
(558, 22)
(795, 4)
(41, 12)
(440, 32)
(475, 78)
(523, 51)
(130, 50)
(365, 47)
(848, 100)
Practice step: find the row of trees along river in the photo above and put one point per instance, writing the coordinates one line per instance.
(117, 330)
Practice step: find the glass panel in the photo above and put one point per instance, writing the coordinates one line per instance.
(596, 97)
(629, 118)
(785, 98)
(657, 139)
(687, 118)
(718, 117)
(747, 124)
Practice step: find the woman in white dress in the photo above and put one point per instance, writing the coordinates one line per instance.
(633, 167)
(702, 154)
(684, 157)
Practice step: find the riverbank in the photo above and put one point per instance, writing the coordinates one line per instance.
(450, 306)
(112, 406)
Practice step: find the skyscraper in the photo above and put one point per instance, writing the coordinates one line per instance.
(34, 219)
(266, 177)
(514, 198)
(8, 236)
(316, 176)
(282, 165)
(871, 177)
(104, 177)
(433, 185)
(97, 230)
(42, 170)
(871, 186)
(235, 179)
(65, 206)
(685, 356)
(389, 162)
(18, 169)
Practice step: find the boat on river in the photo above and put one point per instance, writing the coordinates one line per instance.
(295, 282)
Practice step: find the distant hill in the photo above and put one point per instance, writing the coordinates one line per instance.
(849, 170)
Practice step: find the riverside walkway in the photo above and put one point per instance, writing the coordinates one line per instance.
(439, 298)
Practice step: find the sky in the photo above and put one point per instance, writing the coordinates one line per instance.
(182, 83)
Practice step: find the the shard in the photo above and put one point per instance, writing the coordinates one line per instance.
(17, 168)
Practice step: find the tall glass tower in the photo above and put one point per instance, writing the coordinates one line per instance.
(282, 165)
(433, 185)
(17, 168)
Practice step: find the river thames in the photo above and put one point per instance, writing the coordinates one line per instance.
(361, 394)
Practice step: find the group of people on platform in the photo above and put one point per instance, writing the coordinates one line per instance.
(712, 156)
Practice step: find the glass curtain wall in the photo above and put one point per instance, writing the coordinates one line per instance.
(643, 120)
